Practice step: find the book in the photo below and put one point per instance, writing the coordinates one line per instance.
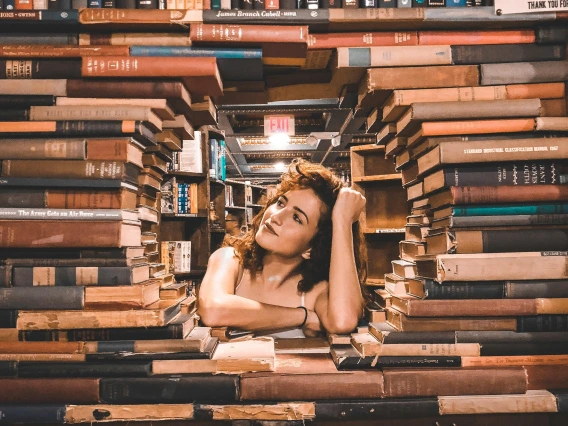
(44, 298)
(177, 389)
(500, 53)
(523, 72)
(492, 151)
(256, 354)
(84, 369)
(75, 128)
(65, 233)
(498, 174)
(419, 112)
(446, 382)
(377, 409)
(49, 51)
(393, 56)
(242, 34)
(156, 315)
(178, 328)
(362, 39)
(49, 391)
(294, 373)
(479, 37)
(133, 39)
(482, 267)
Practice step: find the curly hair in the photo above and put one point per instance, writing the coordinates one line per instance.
(326, 185)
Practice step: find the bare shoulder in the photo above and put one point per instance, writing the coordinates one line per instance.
(319, 291)
(223, 256)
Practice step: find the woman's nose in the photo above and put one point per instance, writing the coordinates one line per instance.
(276, 217)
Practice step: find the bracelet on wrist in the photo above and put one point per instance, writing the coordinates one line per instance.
(305, 316)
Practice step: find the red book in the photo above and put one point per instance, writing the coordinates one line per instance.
(251, 34)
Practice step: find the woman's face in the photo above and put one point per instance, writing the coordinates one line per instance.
(288, 225)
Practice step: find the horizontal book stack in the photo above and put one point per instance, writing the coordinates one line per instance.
(481, 144)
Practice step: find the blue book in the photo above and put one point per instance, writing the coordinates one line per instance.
(9, 4)
(224, 53)
(223, 161)
(95, 4)
(510, 209)
(456, 3)
(32, 413)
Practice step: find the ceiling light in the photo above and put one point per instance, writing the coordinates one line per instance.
(279, 139)
(280, 166)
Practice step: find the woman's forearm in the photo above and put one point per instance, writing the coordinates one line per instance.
(345, 301)
(235, 311)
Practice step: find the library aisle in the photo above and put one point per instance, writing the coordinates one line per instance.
(139, 136)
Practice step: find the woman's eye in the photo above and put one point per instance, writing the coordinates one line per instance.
(297, 219)
(279, 203)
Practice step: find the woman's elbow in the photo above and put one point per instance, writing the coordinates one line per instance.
(344, 325)
(211, 313)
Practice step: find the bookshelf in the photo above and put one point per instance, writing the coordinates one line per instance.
(384, 216)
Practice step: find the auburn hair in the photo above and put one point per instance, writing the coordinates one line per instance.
(326, 185)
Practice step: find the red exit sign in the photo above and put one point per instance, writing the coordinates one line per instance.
(279, 124)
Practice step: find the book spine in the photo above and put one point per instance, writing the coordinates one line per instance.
(540, 323)
(27, 198)
(523, 72)
(508, 194)
(41, 149)
(169, 390)
(497, 241)
(64, 169)
(195, 51)
(465, 55)
(228, 33)
(71, 276)
(118, 66)
(33, 413)
(37, 233)
(8, 318)
(533, 290)
(509, 220)
(473, 290)
(40, 69)
(518, 349)
(561, 401)
(17, 101)
(42, 298)
(548, 35)
(84, 369)
(8, 368)
(529, 173)
(376, 410)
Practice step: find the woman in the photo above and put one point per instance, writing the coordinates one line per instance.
(300, 267)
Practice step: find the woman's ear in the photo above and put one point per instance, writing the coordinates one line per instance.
(307, 254)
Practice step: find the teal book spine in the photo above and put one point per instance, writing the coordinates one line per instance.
(224, 53)
(510, 209)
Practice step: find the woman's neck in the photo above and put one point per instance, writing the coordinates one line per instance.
(276, 269)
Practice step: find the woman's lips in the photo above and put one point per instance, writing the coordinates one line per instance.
(270, 228)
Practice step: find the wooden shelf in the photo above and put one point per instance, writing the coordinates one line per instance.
(258, 206)
(377, 178)
(217, 231)
(235, 208)
(384, 231)
(216, 181)
(184, 216)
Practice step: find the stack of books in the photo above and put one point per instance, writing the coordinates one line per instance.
(481, 280)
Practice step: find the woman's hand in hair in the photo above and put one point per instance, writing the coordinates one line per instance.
(348, 207)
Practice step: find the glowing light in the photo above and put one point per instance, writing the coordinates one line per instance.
(280, 166)
(279, 139)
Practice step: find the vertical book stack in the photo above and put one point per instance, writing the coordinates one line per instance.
(481, 142)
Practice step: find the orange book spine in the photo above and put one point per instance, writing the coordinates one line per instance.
(24, 5)
(333, 40)
(62, 51)
(536, 91)
(508, 194)
(116, 66)
(61, 233)
(522, 360)
(132, 16)
(248, 33)
(453, 38)
(76, 199)
(441, 128)
(41, 347)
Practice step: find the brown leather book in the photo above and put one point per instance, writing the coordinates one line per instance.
(61, 233)
(363, 39)
(456, 195)
(230, 34)
(493, 151)
(482, 37)
(122, 297)
(173, 91)
(42, 347)
(547, 376)
(90, 199)
(129, 17)
(49, 391)
(124, 149)
(403, 323)
(451, 381)
(295, 375)
(49, 51)
(521, 360)
(136, 39)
